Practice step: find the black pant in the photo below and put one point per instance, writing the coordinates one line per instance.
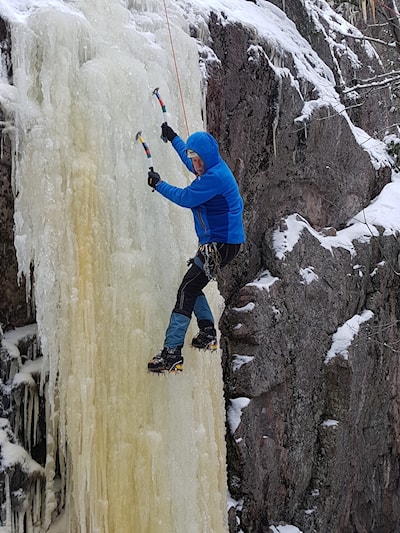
(196, 278)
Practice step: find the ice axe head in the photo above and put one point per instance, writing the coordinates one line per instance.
(164, 109)
(144, 144)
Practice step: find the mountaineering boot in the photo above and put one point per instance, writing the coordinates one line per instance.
(167, 360)
(206, 339)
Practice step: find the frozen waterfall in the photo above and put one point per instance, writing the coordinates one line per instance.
(134, 453)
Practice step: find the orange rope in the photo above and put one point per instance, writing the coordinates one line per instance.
(176, 68)
(387, 7)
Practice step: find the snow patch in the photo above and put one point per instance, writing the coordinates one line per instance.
(345, 334)
(231, 502)
(245, 309)
(264, 281)
(383, 212)
(235, 412)
(13, 454)
(330, 423)
(308, 275)
(285, 529)
(240, 360)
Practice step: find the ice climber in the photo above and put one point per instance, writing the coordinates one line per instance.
(217, 208)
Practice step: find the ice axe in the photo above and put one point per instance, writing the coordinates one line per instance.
(146, 148)
(164, 110)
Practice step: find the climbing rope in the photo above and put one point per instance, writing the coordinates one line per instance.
(176, 67)
(387, 7)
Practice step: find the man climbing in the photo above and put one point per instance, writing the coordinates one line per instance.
(217, 208)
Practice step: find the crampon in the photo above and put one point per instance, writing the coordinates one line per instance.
(168, 360)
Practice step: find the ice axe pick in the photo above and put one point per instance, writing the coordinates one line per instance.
(164, 110)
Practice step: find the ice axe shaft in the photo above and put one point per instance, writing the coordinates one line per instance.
(164, 110)
(146, 148)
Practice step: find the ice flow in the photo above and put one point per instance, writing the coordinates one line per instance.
(130, 451)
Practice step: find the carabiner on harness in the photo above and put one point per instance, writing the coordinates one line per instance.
(212, 260)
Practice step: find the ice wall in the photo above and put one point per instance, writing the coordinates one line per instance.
(137, 453)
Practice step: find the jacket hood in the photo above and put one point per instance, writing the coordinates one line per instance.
(204, 144)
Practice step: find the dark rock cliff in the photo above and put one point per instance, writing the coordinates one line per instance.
(13, 308)
(318, 442)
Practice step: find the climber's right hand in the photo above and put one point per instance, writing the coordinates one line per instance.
(167, 132)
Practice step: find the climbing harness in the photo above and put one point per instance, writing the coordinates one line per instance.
(164, 110)
(212, 260)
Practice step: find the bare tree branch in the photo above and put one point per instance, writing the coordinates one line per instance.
(385, 82)
(372, 39)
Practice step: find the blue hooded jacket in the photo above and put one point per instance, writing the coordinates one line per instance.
(214, 197)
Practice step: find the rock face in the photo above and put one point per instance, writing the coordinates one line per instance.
(13, 308)
(318, 441)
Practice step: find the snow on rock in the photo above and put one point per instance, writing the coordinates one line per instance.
(285, 529)
(231, 502)
(245, 309)
(26, 372)
(14, 336)
(13, 454)
(329, 423)
(345, 334)
(240, 360)
(382, 212)
(308, 275)
(280, 32)
(235, 412)
(264, 281)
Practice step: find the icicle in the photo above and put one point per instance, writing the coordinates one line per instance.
(54, 447)
(37, 508)
(8, 502)
(364, 9)
(277, 113)
(27, 406)
(35, 419)
(21, 516)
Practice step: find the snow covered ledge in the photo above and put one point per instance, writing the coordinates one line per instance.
(24, 477)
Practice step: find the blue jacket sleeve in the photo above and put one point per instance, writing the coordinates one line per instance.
(198, 192)
(180, 148)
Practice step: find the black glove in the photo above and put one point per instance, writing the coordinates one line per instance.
(167, 133)
(153, 179)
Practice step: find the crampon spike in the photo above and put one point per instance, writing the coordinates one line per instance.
(177, 369)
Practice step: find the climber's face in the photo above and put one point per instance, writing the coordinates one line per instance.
(198, 165)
